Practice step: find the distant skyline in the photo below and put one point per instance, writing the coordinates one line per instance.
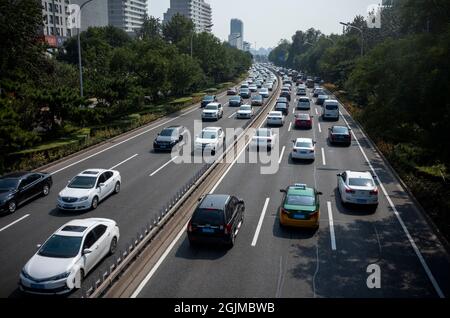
(268, 22)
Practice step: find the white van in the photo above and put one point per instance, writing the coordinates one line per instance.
(330, 109)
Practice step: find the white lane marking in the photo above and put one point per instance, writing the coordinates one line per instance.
(16, 221)
(320, 128)
(332, 235)
(317, 113)
(124, 141)
(163, 166)
(323, 157)
(121, 163)
(261, 219)
(290, 126)
(158, 263)
(232, 114)
(400, 220)
(282, 153)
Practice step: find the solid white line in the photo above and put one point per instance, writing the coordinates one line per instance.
(317, 113)
(400, 220)
(323, 157)
(114, 167)
(16, 221)
(124, 141)
(330, 217)
(158, 263)
(163, 166)
(320, 128)
(290, 126)
(261, 218)
(282, 153)
(232, 114)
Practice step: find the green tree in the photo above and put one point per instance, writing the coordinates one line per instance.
(178, 29)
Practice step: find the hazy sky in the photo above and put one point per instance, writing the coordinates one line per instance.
(266, 22)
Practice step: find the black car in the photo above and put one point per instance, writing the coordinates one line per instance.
(340, 135)
(321, 99)
(208, 99)
(169, 137)
(19, 187)
(217, 219)
(235, 101)
(282, 107)
(286, 94)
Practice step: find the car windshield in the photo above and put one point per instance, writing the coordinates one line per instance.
(208, 217)
(360, 182)
(208, 135)
(257, 97)
(263, 133)
(246, 108)
(208, 98)
(340, 130)
(9, 183)
(167, 132)
(235, 98)
(60, 246)
(82, 182)
(303, 144)
(281, 105)
(303, 101)
(300, 200)
(211, 107)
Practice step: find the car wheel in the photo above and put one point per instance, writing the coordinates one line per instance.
(117, 187)
(94, 203)
(113, 246)
(12, 206)
(45, 190)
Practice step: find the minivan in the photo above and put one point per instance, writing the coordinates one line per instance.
(330, 109)
(217, 219)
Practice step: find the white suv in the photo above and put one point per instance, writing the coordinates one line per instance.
(357, 187)
(212, 111)
(211, 139)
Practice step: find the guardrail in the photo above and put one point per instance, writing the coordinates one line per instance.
(115, 269)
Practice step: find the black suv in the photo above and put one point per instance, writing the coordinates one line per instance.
(286, 94)
(169, 137)
(208, 99)
(217, 219)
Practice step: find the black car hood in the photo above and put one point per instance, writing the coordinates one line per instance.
(4, 194)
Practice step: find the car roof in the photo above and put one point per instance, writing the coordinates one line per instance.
(303, 115)
(211, 128)
(213, 104)
(300, 189)
(359, 174)
(303, 140)
(331, 101)
(276, 113)
(92, 172)
(76, 226)
(214, 201)
(15, 175)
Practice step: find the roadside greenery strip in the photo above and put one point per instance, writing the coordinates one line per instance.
(397, 91)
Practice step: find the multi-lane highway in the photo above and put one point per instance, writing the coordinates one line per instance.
(266, 261)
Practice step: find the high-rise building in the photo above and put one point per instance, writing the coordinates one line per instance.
(197, 10)
(55, 18)
(247, 46)
(236, 37)
(127, 15)
(93, 14)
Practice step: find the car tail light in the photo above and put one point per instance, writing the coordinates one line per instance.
(269, 140)
(228, 229)
(315, 214)
(311, 151)
(284, 211)
(374, 192)
(348, 190)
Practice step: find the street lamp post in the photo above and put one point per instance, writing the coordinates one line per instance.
(192, 38)
(79, 50)
(362, 35)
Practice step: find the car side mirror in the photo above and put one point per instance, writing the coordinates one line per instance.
(38, 246)
(159, 134)
(339, 175)
(241, 201)
(101, 185)
(319, 193)
(282, 190)
(87, 251)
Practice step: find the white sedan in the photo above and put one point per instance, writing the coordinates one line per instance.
(357, 187)
(88, 188)
(245, 111)
(304, 148)
(275, 118)
(68, 255)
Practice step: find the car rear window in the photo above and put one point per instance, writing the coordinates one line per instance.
(340, 130)
(331, 107)
(300, 200)
(360, 182)
(208, 216)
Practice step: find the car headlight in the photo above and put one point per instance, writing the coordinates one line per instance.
(60, 276)
(25, 274)
(83, 198)
(59, 197)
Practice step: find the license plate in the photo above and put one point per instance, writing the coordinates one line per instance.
(162, 147)
(360, 200)
(67, 206)
(208, 230)
(38, 286)
(304, 152)
(299, 216)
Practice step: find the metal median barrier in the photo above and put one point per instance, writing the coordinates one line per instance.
(123, 275)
